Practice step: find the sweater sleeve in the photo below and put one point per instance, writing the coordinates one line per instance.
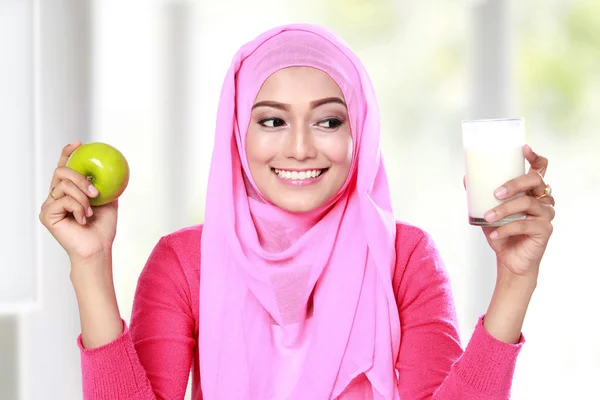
(151, 359)
(432, 364)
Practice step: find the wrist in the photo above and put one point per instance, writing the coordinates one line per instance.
(508, 307)
(509, 281)
(95, 270)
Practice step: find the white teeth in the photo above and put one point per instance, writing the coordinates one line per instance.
(295, 175)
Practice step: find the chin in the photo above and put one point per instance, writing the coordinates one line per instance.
(297, 207)
(297, 204)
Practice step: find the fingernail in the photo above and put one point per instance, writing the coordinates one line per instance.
(89, 212)
(83, 220)
(501, 192)
(528, 147)
(494, 235)
(490, 216)
(93, 191)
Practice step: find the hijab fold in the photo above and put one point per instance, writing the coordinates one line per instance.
(263, 266)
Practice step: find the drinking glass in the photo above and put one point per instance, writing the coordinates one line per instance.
(493, 154)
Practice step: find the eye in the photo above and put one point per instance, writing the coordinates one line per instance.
(272, 122)
(330, 123)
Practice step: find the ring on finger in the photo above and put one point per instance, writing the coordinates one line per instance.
(547, 192)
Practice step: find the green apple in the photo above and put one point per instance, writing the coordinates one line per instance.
(105, 167)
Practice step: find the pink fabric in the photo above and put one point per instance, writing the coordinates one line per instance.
(152, 358)
(343, 263)
(289, 355)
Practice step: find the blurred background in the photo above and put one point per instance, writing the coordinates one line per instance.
(146, 76)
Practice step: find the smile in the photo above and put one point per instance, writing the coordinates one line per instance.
(307, 174)
(299, 178)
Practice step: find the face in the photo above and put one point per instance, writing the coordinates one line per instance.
(299, 143)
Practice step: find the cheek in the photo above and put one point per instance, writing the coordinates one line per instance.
(259, 148)
(338, 149)
(258, 154)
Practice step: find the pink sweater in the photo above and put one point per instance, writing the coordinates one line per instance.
(153, 356)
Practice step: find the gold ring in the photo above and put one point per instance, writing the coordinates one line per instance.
(547, 192)
(52, 194)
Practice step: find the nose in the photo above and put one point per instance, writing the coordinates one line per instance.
(300, 144)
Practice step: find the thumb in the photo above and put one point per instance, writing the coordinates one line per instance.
(537, 162)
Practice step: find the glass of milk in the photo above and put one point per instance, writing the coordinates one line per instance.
(493, 151)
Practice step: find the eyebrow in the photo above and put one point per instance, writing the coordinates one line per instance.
(286, 107)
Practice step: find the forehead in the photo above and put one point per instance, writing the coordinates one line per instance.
(298, 83)
(297, 48)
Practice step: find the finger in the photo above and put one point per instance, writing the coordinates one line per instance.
(537, 162)
(68, 188)
(65, 173)
(465, 182)
(521, 184)
(66, 153)
(548, 200)
(64, 157)
(55, 211)
(532, 227)
(522, 204)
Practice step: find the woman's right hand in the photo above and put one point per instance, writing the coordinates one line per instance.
(83, 232)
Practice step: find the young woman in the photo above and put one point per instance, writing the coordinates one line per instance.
(300, 284)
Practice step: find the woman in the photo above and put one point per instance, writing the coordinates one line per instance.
(300, 284)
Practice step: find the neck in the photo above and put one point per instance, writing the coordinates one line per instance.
(278, 229)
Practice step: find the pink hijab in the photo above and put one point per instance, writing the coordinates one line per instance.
(262, 266)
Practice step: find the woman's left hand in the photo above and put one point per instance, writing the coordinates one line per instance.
(520, 245)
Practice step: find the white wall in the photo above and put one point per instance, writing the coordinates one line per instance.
(146, 75)
(17, 267)
(49, 359)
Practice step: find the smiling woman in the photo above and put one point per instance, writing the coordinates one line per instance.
(299, 140)
(301, 282)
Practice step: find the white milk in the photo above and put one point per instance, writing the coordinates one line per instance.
(487, 170)
(493, 151)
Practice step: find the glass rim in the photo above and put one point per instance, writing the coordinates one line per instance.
(487, 120)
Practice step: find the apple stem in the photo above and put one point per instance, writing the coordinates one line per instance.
(90, 178)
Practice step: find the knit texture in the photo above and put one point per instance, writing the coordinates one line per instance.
(153, 357)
